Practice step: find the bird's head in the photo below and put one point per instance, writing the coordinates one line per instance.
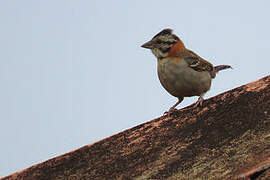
(162, 43)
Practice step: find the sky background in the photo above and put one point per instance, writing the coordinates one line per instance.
(73, 72)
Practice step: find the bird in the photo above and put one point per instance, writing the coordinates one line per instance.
(181, 72)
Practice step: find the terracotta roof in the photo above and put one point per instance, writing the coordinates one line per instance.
(227, 138)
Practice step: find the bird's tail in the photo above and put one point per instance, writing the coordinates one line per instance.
(219, 68)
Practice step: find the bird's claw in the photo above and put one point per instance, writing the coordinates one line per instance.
(170, 112)
(199, 102)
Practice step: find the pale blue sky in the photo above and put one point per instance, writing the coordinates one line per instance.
(73, 72)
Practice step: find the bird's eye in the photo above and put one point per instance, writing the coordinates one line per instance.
(159, 41)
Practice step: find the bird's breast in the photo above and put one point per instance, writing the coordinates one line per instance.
(180, 80)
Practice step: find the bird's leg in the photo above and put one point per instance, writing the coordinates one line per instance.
(199, 101)
(173, 108)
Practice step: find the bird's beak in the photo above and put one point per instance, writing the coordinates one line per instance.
(148, 45)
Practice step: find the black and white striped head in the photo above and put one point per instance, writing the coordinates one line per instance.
(161, 43)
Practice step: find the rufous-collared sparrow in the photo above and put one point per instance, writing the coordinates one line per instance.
(181, 72)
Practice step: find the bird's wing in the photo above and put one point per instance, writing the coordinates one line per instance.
(196, 62)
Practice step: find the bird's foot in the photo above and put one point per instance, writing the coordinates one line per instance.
(170, 112)
(199, 102)
(173, 109)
